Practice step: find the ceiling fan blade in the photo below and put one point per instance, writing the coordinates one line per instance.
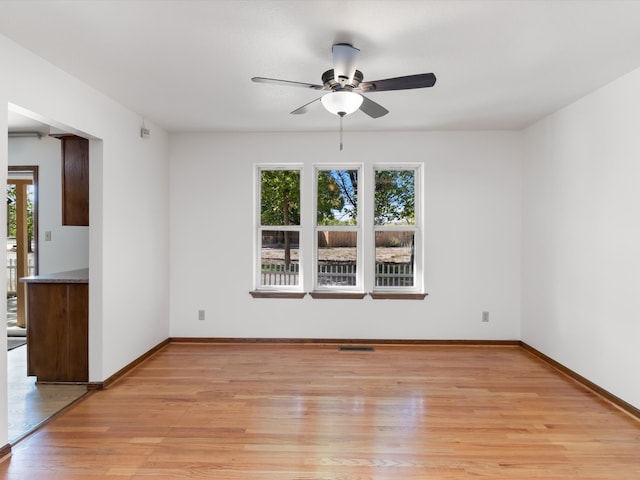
(305, 108)
(373, 109)
(420, 80)
(287, 83)
(345, 57)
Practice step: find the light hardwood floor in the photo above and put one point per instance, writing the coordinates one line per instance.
(312, 412)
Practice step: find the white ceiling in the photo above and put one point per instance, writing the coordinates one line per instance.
(187, 64)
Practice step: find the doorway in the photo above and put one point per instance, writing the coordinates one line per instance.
(34, 157)
(22, 245)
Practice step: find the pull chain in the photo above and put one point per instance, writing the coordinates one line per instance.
(341, 116)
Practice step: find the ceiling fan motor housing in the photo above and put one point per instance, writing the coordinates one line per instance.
(330, 82)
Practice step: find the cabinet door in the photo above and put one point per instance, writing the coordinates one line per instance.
(57, 332)
(46, 330)
(75, 180)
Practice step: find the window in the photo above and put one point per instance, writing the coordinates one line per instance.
(366, 236)
(279, 229)
(395, 228)
(338, 235)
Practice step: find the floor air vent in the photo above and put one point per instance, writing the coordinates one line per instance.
(355, 348)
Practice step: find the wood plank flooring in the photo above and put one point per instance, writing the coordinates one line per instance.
(311, 412)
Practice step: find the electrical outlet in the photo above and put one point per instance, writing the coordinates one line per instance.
(485, 316)
(200, 314)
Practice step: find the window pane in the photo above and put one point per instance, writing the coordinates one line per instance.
(280, 197)
(279, 258)
(394, 258)
(337, 201)
(337, 258)
(394, 197)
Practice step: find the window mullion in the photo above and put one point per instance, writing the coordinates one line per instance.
(367, 233)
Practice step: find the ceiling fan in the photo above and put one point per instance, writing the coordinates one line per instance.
(345, 86)
(345, 78)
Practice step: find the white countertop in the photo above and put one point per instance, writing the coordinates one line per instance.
(72, 276)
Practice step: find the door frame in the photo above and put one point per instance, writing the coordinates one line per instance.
(32, 170)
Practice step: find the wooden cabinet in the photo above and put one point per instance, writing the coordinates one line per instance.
(57, 331)
(75, 180)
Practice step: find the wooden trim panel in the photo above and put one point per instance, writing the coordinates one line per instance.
(350, 341)
(264, 294)
(397, 296)
(338, 295)
(5, 452)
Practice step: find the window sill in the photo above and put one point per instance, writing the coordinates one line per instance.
(264, 294)
(338, 295)
(397, 296)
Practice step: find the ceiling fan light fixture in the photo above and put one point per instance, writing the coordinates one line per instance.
(342, 103)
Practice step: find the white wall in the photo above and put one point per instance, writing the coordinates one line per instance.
(128, 254)
(68, 248)
(581, 237)
(472, 253)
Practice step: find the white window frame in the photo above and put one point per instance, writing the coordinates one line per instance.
(360, 267)
(259, 228)
(417, 229)
(365, 229)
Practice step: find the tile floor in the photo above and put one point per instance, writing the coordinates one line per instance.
(31, 404)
